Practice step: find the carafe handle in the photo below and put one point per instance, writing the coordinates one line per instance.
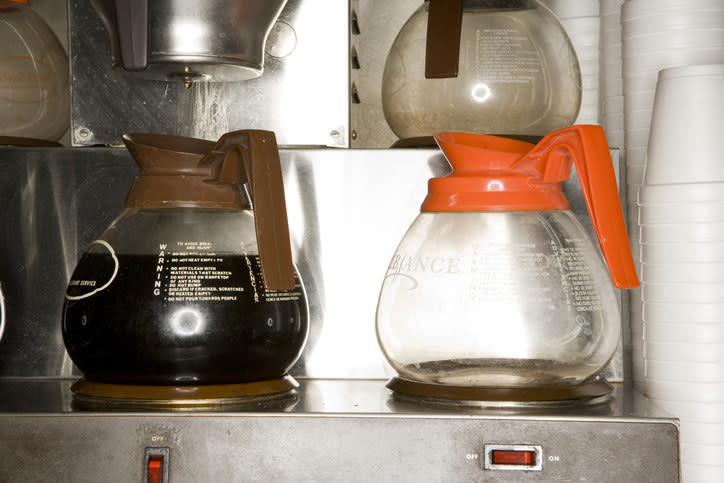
(442, 47)
(251, 157)
(587, 147)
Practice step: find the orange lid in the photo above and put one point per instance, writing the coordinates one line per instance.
(26, 2)
(499, 174)
(492, 174)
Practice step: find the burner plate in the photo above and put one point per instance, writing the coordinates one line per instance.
(591, 393)
(98, 395)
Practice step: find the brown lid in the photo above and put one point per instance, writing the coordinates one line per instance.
(195, 173)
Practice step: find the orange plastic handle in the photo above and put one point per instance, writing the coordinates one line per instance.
(587, 147)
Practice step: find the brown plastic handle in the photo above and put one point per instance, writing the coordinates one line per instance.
(442, 48)
(252, 157)
(587, 147)
(132, 19)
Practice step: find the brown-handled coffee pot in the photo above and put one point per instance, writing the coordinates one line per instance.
(190, 285)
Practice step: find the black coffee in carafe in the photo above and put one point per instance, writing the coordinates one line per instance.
(178, 290)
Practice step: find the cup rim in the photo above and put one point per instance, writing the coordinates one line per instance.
(708, 385)
(666, 286)
(688, 305)
(631, 11)
(708, 411)
(681, 192)
(676, 362)
(659, 249)
(647, 55)
(678, 203)
(698, 70)
(684, 371)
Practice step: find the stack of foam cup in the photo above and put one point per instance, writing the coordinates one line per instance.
(681, 221)
(611, 78)
(657, 34)
(582, 22)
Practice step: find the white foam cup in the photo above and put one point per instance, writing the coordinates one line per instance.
(669, 316)
(611, 8)
(694, 212)
(654, 60)
(701, 453)
(692, 392)
(662, 21)
(578, 8)
(684, 371)
(686, 126)
(638, 136)
(689, 273)
(684, 351)
(647, 7)
(698, 293)
(610, 38)
(636, 155)
(678, 405)
(582, 23)
(613, 103)
(637, 120)
(688, 38)
(684, 331)
(681, 193)
(682, 253)
(701, 473)
(683, 233)
(634, 176)
(701, 432)
(612, 85)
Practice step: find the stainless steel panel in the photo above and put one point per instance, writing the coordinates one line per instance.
(372, 42)
(336, 431)
(348, 209)
(302, 94)
(188, 41)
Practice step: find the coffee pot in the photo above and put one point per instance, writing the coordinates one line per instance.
(34, 93)
(501, 67)
(193, 283)
(496, 284)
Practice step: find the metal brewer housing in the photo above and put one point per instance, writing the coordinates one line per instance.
(189, 41)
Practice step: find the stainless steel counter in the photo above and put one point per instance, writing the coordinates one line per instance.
(332, 430)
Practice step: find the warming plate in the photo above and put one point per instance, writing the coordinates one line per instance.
(331, 430)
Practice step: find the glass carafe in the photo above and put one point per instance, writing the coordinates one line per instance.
(34, 99)
(496, 283)
(502, 67)
(189, 285)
